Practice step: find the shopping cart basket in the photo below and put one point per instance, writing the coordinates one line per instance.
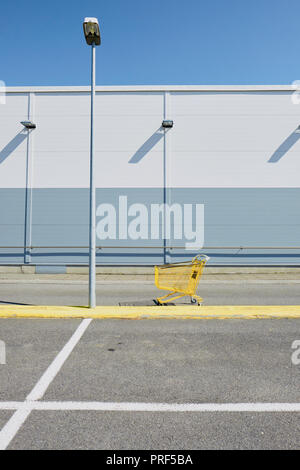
(180, 278)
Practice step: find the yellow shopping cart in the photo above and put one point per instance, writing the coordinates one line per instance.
(180, 278)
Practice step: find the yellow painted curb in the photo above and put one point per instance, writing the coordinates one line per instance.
(152, 312)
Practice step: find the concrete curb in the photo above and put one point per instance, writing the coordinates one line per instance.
(154, 312)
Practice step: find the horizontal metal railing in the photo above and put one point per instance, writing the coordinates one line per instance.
(23, 247)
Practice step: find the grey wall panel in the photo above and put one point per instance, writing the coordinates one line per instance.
(238, 217)
(12, 220)
(246, 216)
(60, 218)
(233, 217)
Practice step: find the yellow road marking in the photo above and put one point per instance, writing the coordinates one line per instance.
(152, 312)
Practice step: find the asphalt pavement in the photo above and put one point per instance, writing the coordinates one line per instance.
(150, 362)
(43, 291)
(154, 361)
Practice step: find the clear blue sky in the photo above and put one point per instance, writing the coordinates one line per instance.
(151, 42)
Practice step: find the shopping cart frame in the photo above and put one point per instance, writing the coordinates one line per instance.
(194, 268)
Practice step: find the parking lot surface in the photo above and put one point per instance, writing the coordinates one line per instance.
(149, 362)
(243, 291)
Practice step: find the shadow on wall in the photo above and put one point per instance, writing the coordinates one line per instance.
(285, 146)
(12, 145)
(147, 146)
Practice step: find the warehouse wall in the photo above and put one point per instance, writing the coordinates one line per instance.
(232, 157)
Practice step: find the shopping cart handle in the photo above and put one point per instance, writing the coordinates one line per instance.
(202, 257)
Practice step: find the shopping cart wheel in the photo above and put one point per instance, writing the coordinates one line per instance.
(193, 301)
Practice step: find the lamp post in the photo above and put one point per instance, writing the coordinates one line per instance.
(92, 37)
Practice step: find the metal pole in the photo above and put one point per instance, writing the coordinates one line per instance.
(92, 267)
(166, 195)
(29, 175)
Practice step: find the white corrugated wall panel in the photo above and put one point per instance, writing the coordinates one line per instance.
(124, 123)
(234, 140)
(13, 141)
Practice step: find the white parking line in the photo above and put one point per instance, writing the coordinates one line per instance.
(15, 422)
(154, 407)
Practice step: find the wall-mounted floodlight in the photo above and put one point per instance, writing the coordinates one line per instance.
(167, 124)
(92, 31)
(28, 124)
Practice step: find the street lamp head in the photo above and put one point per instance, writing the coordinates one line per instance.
(91, 31)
